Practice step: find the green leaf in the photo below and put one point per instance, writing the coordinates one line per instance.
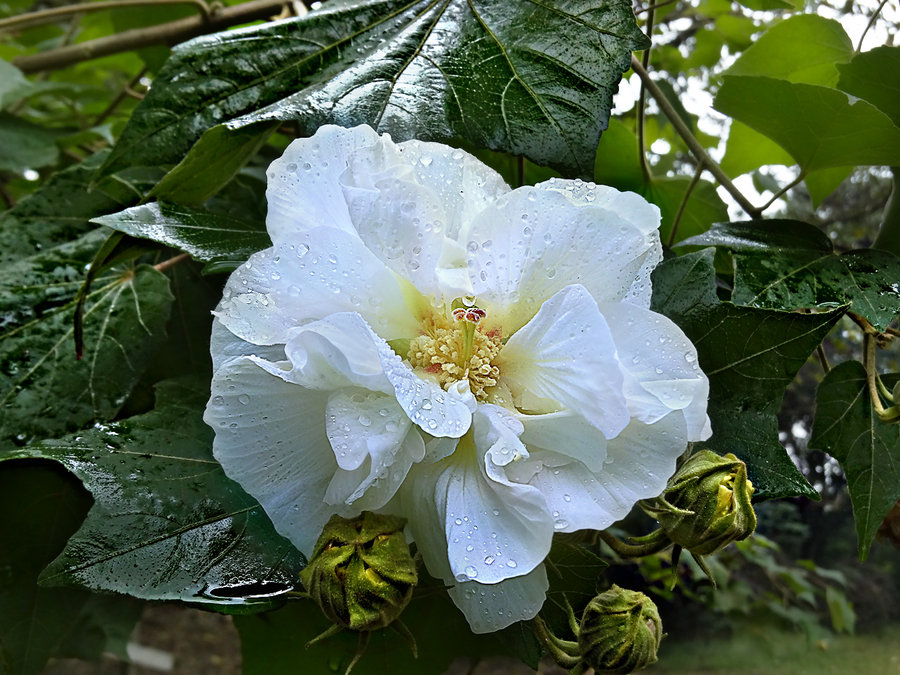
(747, 150)
(44, 389)
(26, 145)
(203, 234)
(789, 265)
(61, 208)
(820, 127)
(802, 48)
(166, 523)
(843, 618)
(483, 71)
(847, 428)
(42, 507)
(13, 85)
(875, 77)
(211, 163)
(750, 357)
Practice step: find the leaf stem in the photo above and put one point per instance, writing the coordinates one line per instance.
(683, 204)
(872, 373)
(123, 93)
(171, 262)
(782, 191)
(869, 25)
(823, 359)
(170, 33)
(650, 8)
(657, 544)
(702, 157)
(50, 15)
(561, 651)
(642, 100)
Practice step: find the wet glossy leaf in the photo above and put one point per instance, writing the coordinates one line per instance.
(819, 126)
(166, 523)
(44, 389)
(847, 428)
(43, 506)
(531, 78)
(875, 77)
(750, 356)
(788, 265)
(203, 234)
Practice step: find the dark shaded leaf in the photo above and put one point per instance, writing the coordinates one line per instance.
(847, 428)
(533, 78)
(166, 523)
(44, 389)
(750, 356)
(43, 506)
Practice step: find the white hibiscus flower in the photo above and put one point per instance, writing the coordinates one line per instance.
(424, 341)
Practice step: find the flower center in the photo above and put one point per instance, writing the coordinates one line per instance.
(456, 347)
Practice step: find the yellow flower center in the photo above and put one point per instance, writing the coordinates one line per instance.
(457, 347)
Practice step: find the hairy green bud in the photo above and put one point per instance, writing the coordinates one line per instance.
(619, 632)
(706, 504)
(361, 573)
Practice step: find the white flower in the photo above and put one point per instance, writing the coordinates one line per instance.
(424, 341)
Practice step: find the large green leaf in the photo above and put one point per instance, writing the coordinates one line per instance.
(203, 234)
(819, 126)
(26, 145)
(42, 507)
(787, 265)
(166, 523)
(802, 48)
(875, 77)
(868, 449)
(60, 210)
(533, 78)
(44, 389)
(750, 356)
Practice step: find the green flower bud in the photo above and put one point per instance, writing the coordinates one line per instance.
(620, 632)
(361, 573)
(706, 504)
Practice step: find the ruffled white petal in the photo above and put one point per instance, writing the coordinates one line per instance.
(270, 438)
(566, 354)
(303, 187)
(536, 240)
(342, 350)
(660, 365)
(325, 271)
(374, 444)
(225, 345)
(493, 607)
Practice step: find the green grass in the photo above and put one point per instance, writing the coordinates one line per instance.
(769, 651)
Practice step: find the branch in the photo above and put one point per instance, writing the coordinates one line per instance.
(50, 15)
(167, 33)
(702, 157)
(642, 101)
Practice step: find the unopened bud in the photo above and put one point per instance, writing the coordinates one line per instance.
(620, 632)
(706, 504)
(361, 573)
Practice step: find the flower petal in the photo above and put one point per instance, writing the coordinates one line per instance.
(566, 354)
(225, 345)
(639, 462)
(374, 443)
(566, 433)
(342, 350)
(464, 509)
(661, 369)
(304, 189)
(537, 240)
(324, 272)
(489, 608)
(270, 438)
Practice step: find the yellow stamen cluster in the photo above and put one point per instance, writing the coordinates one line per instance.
(442, 351)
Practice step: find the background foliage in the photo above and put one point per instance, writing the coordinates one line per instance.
(140, 167)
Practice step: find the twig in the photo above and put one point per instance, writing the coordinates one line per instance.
(6, 196)
(171, 262)
(50, 15)
(166, 33)
(702, 157)
(823, 359)
(683, 205)
(871, 372)
(650, 8)
(782, 191)
(119, 97)
(869, 25)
